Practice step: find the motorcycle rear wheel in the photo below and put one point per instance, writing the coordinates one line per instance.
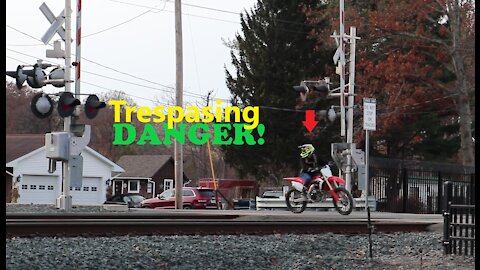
(344, 205)
(294, 204)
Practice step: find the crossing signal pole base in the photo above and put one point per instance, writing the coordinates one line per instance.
(64, 202)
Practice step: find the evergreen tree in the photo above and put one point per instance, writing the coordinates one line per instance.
(273, 54)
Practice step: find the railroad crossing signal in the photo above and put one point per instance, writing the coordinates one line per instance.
(320, 86)
(36, 75)
(66, 104)
(92, 106)
(41, 105)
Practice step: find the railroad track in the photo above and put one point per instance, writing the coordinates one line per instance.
(116, 224)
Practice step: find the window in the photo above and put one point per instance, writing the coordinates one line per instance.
(33, 186)
(94, 189)
(149, 187)
(71, 188)
(51, 188)
(133, 186)
(42, 187)
(188, 193)
(167, 184)
(167, 194)
(77, 188)
(24, 186)
(85, 188)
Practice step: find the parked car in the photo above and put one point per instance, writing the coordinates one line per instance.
(193, 198)
(132, 200)
(244, 204)
(273, 194)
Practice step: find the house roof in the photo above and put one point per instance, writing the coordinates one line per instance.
(142, 165)
(18, 145)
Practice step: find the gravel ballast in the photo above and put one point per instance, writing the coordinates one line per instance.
(243, 252)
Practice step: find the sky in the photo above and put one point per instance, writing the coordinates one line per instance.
(129, 45)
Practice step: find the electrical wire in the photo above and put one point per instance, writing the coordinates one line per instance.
(186, 14)
(140, 85)
(260, 106)
(23, 62)
(96, 63)
(211, 9)
(130, 95)
(21, 32)
(127, 21)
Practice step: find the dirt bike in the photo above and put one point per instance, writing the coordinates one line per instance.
(322, 186)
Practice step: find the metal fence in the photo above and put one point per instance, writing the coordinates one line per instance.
(414, 189)
(458, 225)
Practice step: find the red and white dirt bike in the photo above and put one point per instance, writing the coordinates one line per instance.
(323, 185)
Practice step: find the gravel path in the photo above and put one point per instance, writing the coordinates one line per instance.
(284, 252)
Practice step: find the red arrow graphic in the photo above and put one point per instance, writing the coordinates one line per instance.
(310, 122)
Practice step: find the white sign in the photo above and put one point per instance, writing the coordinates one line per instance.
(339, 55)
(56, 24)
(369, 113)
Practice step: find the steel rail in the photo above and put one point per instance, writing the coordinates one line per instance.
(108, 226)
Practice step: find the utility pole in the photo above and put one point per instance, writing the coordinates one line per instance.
(179, 102)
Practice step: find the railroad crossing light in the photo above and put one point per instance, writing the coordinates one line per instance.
(331, 114)
(302, 89)
(36, 76)
(57, 76)
(320, 86)
(41, 105)
(66, 104)
(92, 106)
(19, 76)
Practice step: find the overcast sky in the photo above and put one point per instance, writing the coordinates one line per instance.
(135, 37)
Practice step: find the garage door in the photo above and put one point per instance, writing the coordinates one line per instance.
(39, 189)
(89, 193)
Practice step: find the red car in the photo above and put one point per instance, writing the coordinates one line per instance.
(193, 198)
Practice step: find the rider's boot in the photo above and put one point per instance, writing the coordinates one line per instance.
(304, 195)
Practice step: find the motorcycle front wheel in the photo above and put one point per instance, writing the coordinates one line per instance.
(344, 205)
(294, 201)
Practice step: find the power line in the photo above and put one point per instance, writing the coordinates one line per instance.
(136, 84)
(154, 101)
(23, 62)
(421, 112)
(186, 14)
(127, 21)
(25, 45)
(21, 32)
(194, 95)
(427, 101)
(211, 9)
(104, 66)
(264, 107)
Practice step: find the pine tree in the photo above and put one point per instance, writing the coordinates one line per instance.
(273, 54)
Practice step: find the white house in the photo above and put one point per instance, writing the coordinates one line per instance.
(29, 174)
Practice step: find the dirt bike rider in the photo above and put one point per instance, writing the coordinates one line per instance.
(310, 165)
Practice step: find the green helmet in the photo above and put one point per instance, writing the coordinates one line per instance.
(307, 150)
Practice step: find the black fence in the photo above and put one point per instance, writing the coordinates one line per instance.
(407, 188)
(458, 225)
